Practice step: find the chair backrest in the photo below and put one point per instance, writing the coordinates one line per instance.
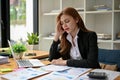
(108, 56)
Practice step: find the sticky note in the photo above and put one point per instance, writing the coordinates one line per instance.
(6, 70)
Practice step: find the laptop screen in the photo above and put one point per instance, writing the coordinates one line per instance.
(11, 49)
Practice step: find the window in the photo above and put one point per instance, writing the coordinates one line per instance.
(4, 22)
(17, 17)
(0, 24)
(21, 19)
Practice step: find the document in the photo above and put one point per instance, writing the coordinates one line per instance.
(56, 76)
(75, 71)
(83, 77)
(68, 74)
(55, 68)
(24, 74)
(111, 75)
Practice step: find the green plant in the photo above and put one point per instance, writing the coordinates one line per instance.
(33, 38)
(19, 48)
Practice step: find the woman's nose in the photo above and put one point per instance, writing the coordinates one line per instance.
(64, 25)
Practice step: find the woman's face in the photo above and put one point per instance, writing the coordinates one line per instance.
(68, 23)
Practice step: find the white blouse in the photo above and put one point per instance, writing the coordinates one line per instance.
(74, 52)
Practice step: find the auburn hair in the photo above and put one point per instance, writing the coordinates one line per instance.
(65, 45)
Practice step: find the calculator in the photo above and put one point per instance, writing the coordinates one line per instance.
(97, 75)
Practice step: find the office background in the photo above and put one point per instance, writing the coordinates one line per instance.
(102, 16)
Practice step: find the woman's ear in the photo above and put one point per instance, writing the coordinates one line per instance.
(77, 20)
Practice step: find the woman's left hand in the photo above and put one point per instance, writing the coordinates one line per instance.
(59, 62)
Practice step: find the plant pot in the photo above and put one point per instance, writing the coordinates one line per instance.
(33, 47)
(18, 55)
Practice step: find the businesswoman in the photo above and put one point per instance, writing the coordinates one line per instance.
(73, 45)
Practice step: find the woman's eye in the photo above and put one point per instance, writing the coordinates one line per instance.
(67, 21)
(64, 22)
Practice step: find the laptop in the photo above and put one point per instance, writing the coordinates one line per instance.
(25, 62)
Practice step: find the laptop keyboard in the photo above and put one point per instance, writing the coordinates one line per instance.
(24, 63)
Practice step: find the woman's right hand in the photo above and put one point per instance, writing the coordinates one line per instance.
(59, 31)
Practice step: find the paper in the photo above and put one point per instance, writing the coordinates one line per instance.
(56, 76)
(24, 74)
(111, 75)
(55, 68)
(75, 71)
(69, 74)
(84, 77)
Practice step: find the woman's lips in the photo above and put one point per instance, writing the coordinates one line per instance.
(66, 29)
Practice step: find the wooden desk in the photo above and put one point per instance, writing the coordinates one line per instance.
(13, 65)
(117, 78)
(39, 54)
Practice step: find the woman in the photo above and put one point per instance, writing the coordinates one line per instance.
(73, 44)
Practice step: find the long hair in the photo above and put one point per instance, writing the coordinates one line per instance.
(65, 45)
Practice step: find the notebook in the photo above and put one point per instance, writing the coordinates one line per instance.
(25, 62)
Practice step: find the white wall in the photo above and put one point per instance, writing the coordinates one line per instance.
(29, 15)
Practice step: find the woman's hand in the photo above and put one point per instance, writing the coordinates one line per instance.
(59, 31)
(59, 62)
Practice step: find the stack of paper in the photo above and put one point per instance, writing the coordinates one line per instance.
(57, 76)
(24, 74)
(3, 59)
(63, 72)
(55, 68)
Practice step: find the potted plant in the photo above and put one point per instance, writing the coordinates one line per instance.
(33, 41)
(18, 49)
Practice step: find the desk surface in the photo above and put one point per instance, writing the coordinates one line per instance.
(39, 54)
(12, 64)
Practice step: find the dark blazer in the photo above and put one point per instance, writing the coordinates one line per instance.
(87, 43)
